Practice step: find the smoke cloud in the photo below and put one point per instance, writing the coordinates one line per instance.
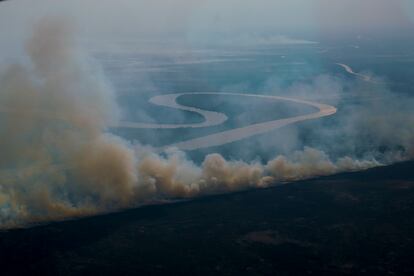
(59, 160)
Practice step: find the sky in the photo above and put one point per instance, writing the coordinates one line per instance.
(201, 16)
(201, 21)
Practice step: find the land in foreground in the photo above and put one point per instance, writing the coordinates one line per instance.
(350, 224)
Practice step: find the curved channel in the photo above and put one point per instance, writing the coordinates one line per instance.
(215, 118)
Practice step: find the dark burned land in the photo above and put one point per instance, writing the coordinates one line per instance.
(350, 224)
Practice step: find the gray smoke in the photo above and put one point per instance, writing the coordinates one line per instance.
(59, 161)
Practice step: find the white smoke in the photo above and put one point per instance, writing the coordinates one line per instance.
(59, 161)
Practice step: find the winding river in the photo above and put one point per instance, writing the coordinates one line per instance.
(216, 118)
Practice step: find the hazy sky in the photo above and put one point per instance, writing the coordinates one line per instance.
(193, 18)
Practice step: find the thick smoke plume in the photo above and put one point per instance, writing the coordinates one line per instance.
(58, 159)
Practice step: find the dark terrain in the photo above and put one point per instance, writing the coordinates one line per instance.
(351, 224)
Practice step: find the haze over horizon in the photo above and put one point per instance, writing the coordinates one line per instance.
(191, 18)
